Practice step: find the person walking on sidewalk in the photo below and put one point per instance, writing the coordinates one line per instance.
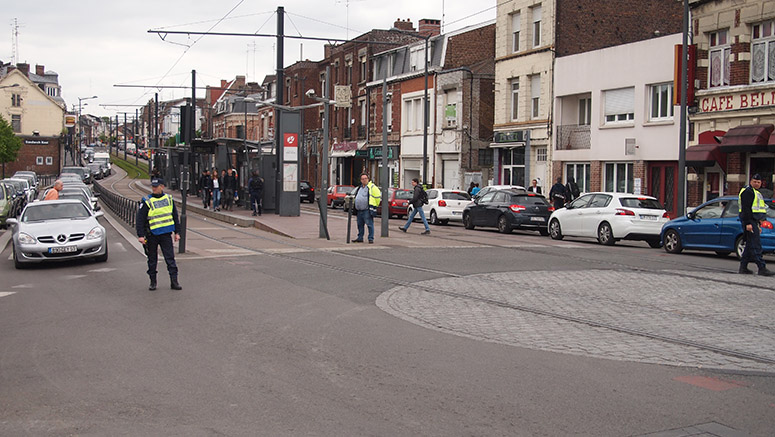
(256, 189)
(157, 226)
(367, 199)
(216, 184)
(229, 187)
(419, 198)
(752, 211)
(206, 185)
(558, 194)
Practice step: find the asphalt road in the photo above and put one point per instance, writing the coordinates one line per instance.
(292, 343)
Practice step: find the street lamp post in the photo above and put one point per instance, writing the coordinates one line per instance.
(80, 133)
(245, 101)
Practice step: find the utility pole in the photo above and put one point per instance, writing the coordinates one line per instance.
(277, 127)
(184, 177)
(426, 119)
(680, 205)
(134, 135)
(385, 204)
(125, 136)
(323, 230)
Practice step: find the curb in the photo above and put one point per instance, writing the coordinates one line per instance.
(4, 239)
(123, 231)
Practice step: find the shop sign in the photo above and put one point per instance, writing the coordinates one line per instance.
(731, 102)
(376, 152)
(510, 137)
(36, 142)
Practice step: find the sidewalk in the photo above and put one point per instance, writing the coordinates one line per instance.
(305, 226)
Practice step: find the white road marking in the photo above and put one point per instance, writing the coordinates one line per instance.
(10, 257)
(120, 247)
(230, 250)
(102, 270)
(24, 286)
(68, 277)
(6, 293)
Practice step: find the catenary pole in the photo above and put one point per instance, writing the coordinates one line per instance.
(323, 230)
(680, 201)
(385, 206)
(280, 100)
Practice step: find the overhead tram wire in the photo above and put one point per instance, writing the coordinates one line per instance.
(479, 12)
(325, 22)
(223, 19)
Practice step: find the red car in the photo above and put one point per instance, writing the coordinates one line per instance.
(336, 194)
(398, 199)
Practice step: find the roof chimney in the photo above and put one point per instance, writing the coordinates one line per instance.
(404, 25)
(224, 83)
(40, 70)
(24, 68)
(429, 27)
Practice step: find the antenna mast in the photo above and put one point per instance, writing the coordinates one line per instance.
(15, 41)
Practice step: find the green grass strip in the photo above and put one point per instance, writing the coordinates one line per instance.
(133, 171)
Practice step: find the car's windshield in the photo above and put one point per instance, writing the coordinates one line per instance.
(455, 195)
(528, 200)
(343, 189)
(17, 185)
(77, 170)
(403, 194)
(640, 202)
(54, 211)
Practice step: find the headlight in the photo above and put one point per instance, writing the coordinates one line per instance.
(26, 239)
(94, 234)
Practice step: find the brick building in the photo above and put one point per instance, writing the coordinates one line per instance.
(732, 120)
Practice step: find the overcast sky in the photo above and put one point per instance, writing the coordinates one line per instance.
(96, 44)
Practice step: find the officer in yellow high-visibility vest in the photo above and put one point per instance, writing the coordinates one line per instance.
(752, 210)
(157, 226)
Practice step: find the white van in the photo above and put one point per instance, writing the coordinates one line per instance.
(103, 157)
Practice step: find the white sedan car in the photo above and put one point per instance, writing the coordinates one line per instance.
(444, 205)
(610, 217)
(57, 230)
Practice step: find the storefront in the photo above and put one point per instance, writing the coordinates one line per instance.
(509, 151)
(373, 156)
(347, 162)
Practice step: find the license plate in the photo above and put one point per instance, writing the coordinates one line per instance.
(537, 219)
(63, 249)
(456, 212)
(648, 217)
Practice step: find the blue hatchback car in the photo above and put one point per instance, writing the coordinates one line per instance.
(714, 226)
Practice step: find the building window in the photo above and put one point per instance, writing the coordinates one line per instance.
(535, 95)
(513, 162)
(16, 100)
(49, 160)
(536, 26)
(413, 115)
(661, 102)
(515, 28)
(364, 71)
(580, 174)
(390, 116)
(619, 177)
(514, 99)
(39, 160)
(585, 111)
(391, 60)
(541, 154)
(719, 55)
(349, 72)
(362, 108)
(450, 108)
(620, 106)
(763, 52)
(16, 123)
(485, 157)
(416, 60)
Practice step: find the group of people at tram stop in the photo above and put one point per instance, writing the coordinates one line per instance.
(222, 189)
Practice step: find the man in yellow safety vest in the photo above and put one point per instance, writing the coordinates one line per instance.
(157, 226)
(752, 211)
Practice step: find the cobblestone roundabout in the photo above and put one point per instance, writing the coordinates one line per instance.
(676, 318)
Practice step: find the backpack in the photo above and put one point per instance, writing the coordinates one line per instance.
(423, 197)
(256, 185)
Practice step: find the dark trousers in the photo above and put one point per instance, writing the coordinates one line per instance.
(255, 202)
(152, 243)
(365, 218)
(228, 197)
(206, 197)
(753, 248)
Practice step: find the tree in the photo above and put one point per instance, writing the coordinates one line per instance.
(9, 143)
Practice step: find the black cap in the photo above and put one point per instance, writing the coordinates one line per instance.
(757, 176)
(155, 182)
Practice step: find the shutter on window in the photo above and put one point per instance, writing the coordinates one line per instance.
(621, 101)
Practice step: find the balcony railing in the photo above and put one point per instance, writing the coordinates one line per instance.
(361, 132)
(573, 137)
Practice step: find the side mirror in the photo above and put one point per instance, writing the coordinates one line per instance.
(11, 221)
(99, 214)
(691, 215)
(97, 208)
(568, 206)
(96, 195)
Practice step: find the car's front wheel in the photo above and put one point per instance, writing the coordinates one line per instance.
(554, 230)
(468, 222)
(605, 235)
(434, 217)
(672, 242)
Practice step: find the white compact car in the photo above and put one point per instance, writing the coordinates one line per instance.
(444, 205)
(57, 230)
(610, 217)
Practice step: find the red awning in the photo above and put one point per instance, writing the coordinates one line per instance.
(706, 155)
(754, 138)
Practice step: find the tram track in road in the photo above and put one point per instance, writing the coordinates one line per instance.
(393, 281)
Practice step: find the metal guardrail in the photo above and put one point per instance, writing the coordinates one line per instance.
(125, 208)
